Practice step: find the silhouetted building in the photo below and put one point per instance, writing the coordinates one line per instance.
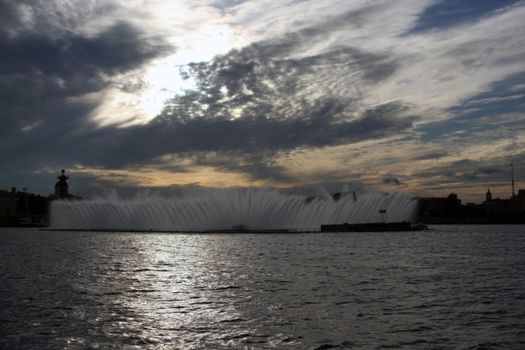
(440, 207)
(492, 210)
(20, 208)
(8, 207)
(61, 187)
(505, 208)
(488, 196)
(520, 202)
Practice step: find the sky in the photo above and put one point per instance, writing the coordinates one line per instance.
(425, 97)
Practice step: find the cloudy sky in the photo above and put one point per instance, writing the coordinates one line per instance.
(420, 96)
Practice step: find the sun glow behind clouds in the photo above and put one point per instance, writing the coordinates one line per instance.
(196, 31)
(151, 177)
(164, 79)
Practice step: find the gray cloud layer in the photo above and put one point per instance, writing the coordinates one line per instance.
(249, 104)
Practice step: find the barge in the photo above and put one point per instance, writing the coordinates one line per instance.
(373, 227)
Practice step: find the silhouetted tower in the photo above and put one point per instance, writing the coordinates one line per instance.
(512, 177)
(61, 187)
(488, 196)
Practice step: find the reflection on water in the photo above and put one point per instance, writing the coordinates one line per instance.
(455, 286)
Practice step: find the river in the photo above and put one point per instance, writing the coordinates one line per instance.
(449, 287)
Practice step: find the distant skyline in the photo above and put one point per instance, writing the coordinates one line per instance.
(425, 97)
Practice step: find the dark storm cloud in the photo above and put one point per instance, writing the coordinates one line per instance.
(248, 107)
(315, 125)
(261, 80)
(46, 68)
(446, 13)
(264, 70)
(391, 180)
(40, 73)
(490, 170)
(432, 155)
(247, 145)
(117, 49)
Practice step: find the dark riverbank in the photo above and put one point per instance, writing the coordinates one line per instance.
(476, 221)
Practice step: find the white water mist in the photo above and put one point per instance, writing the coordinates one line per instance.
(254, 208)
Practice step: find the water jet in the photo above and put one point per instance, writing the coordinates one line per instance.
(222, 209)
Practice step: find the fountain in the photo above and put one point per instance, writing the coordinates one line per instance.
(224, 209)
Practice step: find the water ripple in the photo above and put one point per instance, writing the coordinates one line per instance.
(453, 287)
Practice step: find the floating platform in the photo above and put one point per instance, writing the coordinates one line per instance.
(179, 231)
(368, 227)
(373, 227)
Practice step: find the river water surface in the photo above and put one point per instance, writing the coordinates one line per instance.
(446, 288)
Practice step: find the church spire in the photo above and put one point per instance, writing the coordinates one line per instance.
(488, 196)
